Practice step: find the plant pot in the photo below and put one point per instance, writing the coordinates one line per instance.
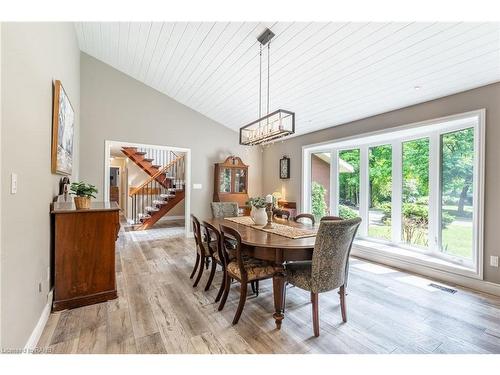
(82, 202)
(259, 215)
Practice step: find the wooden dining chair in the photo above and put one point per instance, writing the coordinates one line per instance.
(219, 253)
(244, 269)
(329, 267)
(203, 253)
(282, 214)
(305, 216)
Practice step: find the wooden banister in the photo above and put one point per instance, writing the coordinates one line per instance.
(152, 178)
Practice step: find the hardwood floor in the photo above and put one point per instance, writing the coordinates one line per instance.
(158, 311)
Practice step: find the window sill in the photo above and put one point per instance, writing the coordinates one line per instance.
(375, 251)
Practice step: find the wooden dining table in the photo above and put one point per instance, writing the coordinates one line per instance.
(275, 248)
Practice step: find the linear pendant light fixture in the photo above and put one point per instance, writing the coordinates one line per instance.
(273, 125)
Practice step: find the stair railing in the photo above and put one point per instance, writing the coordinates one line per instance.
(158, 189)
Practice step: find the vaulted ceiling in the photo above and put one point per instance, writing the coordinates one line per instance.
(327, 73)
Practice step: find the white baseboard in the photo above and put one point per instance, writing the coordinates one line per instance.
(37, 332)
(446, 277)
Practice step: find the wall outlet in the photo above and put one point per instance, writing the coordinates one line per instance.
(494, 261)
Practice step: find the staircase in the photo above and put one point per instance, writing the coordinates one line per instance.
(164, 188)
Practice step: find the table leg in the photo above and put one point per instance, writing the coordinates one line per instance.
(279, 297)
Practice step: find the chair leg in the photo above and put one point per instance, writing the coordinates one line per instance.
(195, 265)
(342, 303)
(207, 262)
(241, 304)
(212, 274)
(252, 284)
(200, 272)
(222, 287)
(227, 286)
(256, 287)
(315, 312)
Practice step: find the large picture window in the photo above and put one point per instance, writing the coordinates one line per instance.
(416, 187)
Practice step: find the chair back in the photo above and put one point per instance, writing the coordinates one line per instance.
(229, 233)
(305, 216)
(331, 253)
(197, 235)
(224, 209)
(282, 214)
(214, 236)
(331, 218)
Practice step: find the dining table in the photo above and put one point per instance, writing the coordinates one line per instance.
(275, 248)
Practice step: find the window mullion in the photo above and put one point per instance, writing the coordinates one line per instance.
(397, 186)
(363, 190)
(334, 182)
(434, 215)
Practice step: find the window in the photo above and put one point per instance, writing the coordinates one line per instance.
(380, 192)
(416, 187)
(320, 184)
(415, 193)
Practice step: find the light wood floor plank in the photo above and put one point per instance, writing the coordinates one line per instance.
(158, 311)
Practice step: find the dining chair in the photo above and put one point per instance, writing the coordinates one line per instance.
(330, 218)
(244, 269)
(329, 267)
(305, 216)
(220, 254)
(224, 209)
(282, 214)
(203, 253)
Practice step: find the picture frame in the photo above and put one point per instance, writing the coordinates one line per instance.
(284, 168)
(63, 129)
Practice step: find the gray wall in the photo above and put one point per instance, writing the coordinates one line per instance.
(484, 97)
(119, 108)
(33, 55)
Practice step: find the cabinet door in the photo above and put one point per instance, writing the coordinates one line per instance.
(240, 180)
(225, 180)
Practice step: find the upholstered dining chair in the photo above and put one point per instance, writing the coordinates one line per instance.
(224, 209)
(203, 254)
(305, 216)
(330, 218)
(329, 267)
(244, 269)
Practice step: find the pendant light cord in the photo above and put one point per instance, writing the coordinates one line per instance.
(268, 69)
(260, 82)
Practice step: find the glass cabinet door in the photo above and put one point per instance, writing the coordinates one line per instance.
(225, 180)
(240, 183)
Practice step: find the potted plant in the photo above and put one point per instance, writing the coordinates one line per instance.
(258, 212)
(82, 192)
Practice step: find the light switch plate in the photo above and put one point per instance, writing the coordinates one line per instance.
(197, 186)
(13, 183)
(494, 261)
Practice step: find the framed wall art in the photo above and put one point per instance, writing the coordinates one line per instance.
(63, 128)
(285, 167)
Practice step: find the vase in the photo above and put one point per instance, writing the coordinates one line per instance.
(82, 202)
(259, 215)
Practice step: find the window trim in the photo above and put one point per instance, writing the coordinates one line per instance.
(395, 136)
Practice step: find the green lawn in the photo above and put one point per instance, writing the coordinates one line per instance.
(457, 238)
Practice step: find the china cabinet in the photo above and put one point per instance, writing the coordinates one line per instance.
(231, 181)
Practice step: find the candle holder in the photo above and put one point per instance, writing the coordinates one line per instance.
(269, 211)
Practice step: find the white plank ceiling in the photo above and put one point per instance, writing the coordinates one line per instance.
(327, 73)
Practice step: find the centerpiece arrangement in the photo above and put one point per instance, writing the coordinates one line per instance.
(258, 212)
(82, 192)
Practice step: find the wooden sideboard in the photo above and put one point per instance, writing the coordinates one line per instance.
(84, 253)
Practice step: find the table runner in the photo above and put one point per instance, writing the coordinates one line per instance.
(279, 229)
